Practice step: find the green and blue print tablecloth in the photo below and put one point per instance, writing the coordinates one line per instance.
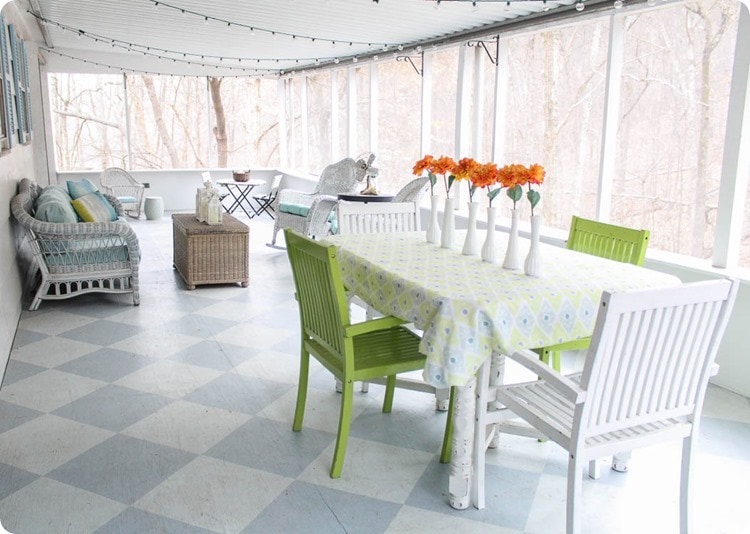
(468, 308)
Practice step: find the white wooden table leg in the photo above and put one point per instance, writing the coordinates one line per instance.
(459, 482)
(497, 376)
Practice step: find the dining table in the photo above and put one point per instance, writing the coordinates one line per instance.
(469, 310)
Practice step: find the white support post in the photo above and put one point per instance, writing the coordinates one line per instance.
(501, 102)
(283, 157)
(735, 169)
(374, 99)
(426, 118)
(462, 142)
(351, 111)
(478, 116)
(335, 131)
(291, 124)
(126, 102)
(611, 118)
(304, 138)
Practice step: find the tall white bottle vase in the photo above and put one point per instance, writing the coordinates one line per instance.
(533, 264)
(489, 250)
(448, 232)
(433, 228)
(471, 243)
(512, 257)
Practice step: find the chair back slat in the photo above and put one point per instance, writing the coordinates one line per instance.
(380, 217)
(618, 243)
(651, 354)
(320, 291)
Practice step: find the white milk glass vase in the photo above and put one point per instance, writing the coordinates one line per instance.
(433, 228)
(489, 251)
(512, 258)
(449, 224)
(533, 264)
(471, 242)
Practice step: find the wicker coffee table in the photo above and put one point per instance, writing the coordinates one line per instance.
(210, 254)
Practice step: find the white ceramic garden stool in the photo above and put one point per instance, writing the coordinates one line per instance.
(154, 208)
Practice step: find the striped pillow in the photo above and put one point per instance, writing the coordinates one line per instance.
(94, 208)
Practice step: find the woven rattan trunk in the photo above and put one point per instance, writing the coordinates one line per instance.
(210, 254)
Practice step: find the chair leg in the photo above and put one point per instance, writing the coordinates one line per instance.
(345, 420)
(304, 370)
(685, 500)
(575, 483)
(442, 399)
(445, 453)
(390, 388)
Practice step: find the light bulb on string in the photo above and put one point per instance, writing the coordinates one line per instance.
(580, 6)
(618, 4)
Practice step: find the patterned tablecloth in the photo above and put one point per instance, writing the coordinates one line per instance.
(468, 308)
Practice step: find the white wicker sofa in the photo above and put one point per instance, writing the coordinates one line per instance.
(74, 258)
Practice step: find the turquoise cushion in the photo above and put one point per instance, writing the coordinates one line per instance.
(302, 210)
(295, 209)
(53, 205)
(79, 189)
(94, 208)
(127, 200)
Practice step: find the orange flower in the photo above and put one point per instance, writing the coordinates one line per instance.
(536, 174)
(443, 165)
(465, 169)
(485, 175)
(424, 164)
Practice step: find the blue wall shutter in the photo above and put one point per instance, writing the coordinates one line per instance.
(19, 97)
(26, 87)
(7, 81)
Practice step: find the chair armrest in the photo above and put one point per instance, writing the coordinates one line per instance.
(317, 217)
(382, 323)
(294, 196)
(567, 388)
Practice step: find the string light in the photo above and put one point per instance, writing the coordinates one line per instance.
(207, 17)
(263, 73)
(161, 52)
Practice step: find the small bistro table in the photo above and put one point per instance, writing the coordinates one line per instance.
(239, 192)
(210, 254)
(470, 310)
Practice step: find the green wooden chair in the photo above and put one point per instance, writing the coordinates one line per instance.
(352, 352)
(618, 243)
(592, 237)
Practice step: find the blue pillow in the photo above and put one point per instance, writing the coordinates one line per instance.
(53, 205)
(94, 208)
(79, 189)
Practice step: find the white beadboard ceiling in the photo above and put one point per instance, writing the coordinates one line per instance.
(266, 37)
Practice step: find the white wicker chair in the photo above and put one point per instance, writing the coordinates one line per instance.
(413, 191)
(643, 382)
(308, 213)
(118, 183)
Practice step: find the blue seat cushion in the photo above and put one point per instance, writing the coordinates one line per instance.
(127, 200)
(302, 210)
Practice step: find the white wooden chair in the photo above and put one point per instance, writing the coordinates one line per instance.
(643, 382)
(371, 217)
(385, 217)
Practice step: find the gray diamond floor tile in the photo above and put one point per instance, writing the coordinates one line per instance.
(13, 479)
(215, 355)
(134, 520)
(102, 332)
(106, 364)
(198, 326)
(24, 337)
(18, 370)
(122, 468)
(324, 510)
(113, 407)
(233, 392)
(256, 444)
(13, 415)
